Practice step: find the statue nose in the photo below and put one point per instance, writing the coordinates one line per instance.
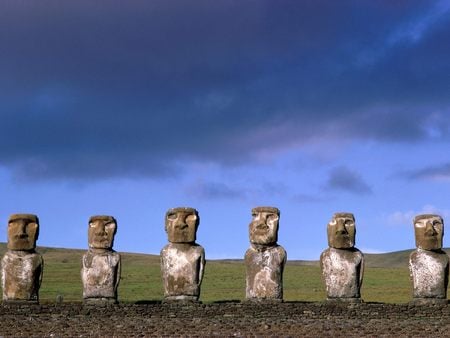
(23, 228)
(261, 225)
(181, 224)
(341, 228)
(100, 230)
(429, 230)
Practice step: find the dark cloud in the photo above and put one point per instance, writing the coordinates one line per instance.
(214, 190)
(344, 179)
(438, 173)
(92, 90)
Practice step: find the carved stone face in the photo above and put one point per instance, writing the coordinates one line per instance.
(181, 225)
(341, 231)
(263, 228)
(429, 231)
(101, 232)
(23, 232)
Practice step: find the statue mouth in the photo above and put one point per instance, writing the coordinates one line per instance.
(101, 240)
(431, 240)
(261, 232)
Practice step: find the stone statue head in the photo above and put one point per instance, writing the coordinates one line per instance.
(263, 229)
(341, 231)
(181, 225)
(101, 232)
(23, 231)
(429, 231)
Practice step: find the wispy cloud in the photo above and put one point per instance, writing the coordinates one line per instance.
(371, 251)
(344, 179)
(401, 218)
(213, 190)
(434, 173)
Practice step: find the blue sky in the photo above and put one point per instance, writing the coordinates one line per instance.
(315, 107)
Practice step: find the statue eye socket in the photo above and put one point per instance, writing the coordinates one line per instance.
(109, 226)
(172, 216)
(349, 223)
(437, 224)
(92, 225)
(272, 217)
(191, 218)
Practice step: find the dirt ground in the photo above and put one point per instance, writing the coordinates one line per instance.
(289, 319)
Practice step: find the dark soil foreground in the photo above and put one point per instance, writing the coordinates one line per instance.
(296, 319)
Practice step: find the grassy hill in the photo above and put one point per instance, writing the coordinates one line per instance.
(386, 278)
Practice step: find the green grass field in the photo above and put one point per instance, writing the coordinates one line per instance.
(386, 278)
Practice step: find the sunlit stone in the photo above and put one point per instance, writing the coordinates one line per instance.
(265, 259)
(100, 272)
(342, 264)
(182, 260)
(22, 267)
(429, 264)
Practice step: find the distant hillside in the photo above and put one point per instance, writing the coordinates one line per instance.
(396, 259)
(63, 254)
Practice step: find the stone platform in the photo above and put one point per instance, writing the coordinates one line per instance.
(289, 319)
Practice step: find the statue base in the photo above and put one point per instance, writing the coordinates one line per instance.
(99, 301)
(20, 302)
(345, 300)
(428, 301)
(263, 300)
(180, 299)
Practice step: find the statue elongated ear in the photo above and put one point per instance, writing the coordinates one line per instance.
(36, 225)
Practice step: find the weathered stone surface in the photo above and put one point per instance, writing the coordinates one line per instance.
(22, 267)
(428, 264)
(101, 265)
(182, 267)
(265, 267)
(101, 275)
(342, 273)
(23, 232)
(263, 229)
(21, 276)
(265, 259)
(341, 231)
(429, 231)
(101, 232)
(342, 264)
(181, 225)
(182, 260)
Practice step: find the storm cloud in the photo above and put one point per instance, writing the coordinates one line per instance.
(93, 90)
(344, 179)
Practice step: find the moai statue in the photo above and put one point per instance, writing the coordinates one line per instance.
(100, 273)
(182, 260)
(428, 264)
(342, 264)
(22, 266)
(265, 259)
